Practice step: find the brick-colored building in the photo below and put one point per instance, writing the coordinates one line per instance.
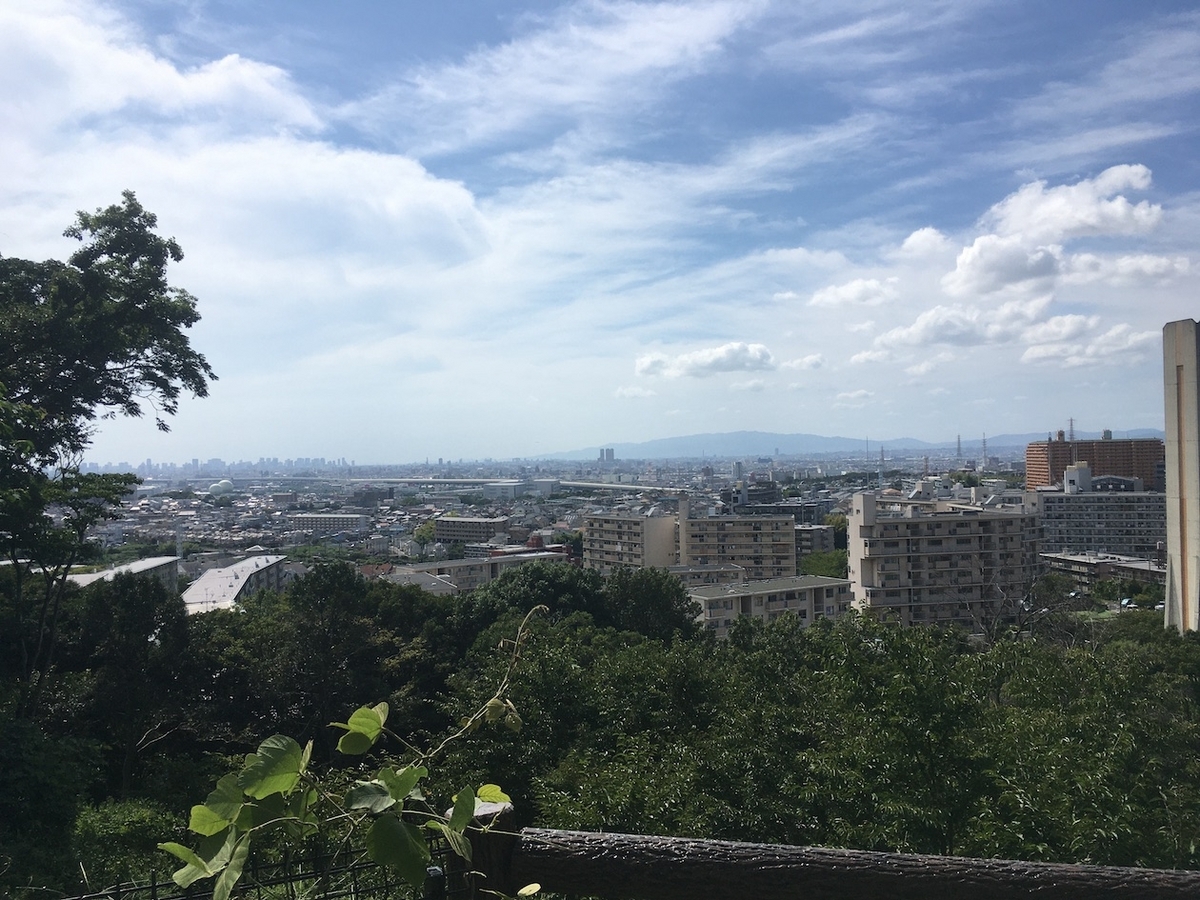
(1046, 461)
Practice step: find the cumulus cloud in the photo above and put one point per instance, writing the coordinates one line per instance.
(859, 292)
(967, 326)
(1119, 344)
(1024, 247)
(929, 363)
(754, 385)
(994, 262)
(1059, 328)
(735, 356)
(1085, 268)
(633, 393)
(1092, 206)
(925, 242)
(869, 356)
(812, 361)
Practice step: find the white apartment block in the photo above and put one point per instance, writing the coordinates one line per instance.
(628, 539)
(764, 546)
(222, 588)
(940, 563)
(807, 597)
(1077, 518)
(468, 529)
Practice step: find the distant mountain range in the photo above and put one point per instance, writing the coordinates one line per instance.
(769, 444)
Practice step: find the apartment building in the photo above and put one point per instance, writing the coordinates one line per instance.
(468, 529)
(1046, 461)
(940, 562)
(222, 588)
(1078, 518)
(808, 597)
(764, 546)
(628, 539)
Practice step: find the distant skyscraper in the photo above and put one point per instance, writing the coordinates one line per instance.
(1181, 394)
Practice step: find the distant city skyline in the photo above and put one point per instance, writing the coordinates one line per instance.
(510, 230)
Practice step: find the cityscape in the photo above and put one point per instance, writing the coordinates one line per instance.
(599, 448)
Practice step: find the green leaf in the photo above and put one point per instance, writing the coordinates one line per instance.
(275, 768)
(226, 798)
(255, 815)
(529, 890)
(401, 782)
(195, 867)
(391, 842)
(366, 720)
(205, 821)
(491, 793)
(464, 809)
(381, 710)
(456, 839)
(354, 743)
(306, 756)
(233, 871)
(370, 795)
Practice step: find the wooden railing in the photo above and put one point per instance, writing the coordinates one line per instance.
(638, 867)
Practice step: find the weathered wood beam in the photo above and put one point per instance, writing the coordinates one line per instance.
(659, 868)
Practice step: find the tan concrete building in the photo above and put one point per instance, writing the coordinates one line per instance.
(1181, 394)
(940, 563)
(808, 597)
(1047, 461)
(628, 539)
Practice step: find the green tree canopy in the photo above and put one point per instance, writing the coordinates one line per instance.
(101, 333)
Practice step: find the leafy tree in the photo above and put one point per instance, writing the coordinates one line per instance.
(652, 602)
(99, 334)
(95, 336)
(830, 564)
(840, 525)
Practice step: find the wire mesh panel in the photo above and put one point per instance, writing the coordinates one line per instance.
(311, 876)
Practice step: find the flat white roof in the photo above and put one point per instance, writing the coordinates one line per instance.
(219, 588)
(133, 568)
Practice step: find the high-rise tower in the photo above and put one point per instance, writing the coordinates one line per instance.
(1181, 394)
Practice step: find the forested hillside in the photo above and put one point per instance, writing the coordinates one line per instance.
(1079, 744)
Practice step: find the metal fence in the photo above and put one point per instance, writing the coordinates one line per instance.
(317, 875)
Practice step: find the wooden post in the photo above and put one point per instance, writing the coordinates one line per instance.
(493, 837)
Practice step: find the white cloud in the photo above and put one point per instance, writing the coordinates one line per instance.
(1088, 207)
(633, 393)
(869, 356)
(754, 385)
(812, 361)
(861, 326)
(589, 60)
(1120, 345)
(966, 326)
(925, 242)
(732, 357)
(929, 363)
(859, 292)
(1059, 328)
(853, 399)
(994, 262)
(1142, 268)
(73, 64)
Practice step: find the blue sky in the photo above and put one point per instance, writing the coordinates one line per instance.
(469, 229)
